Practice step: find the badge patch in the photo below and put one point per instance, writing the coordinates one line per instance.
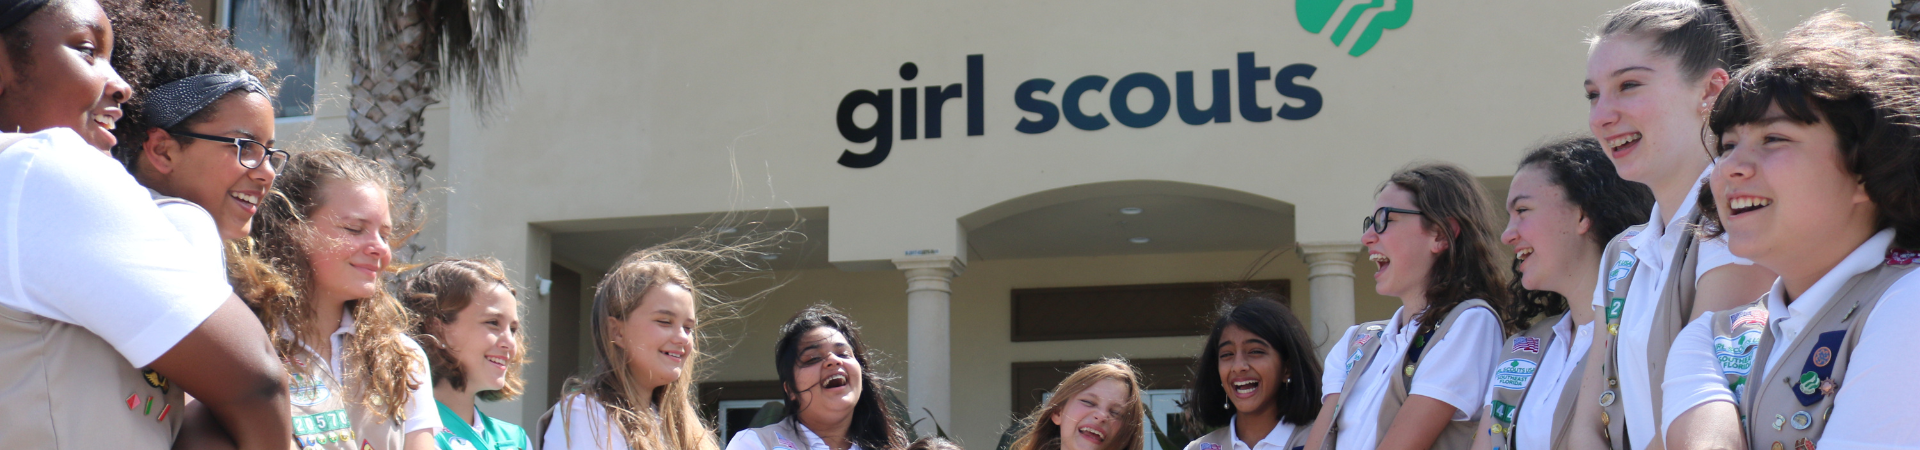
(1809, 383)
(1353, 359)
(1751, 316)
(784, 443)
(307, 390)
(1503, 412)
(1822, 356)
(1209, 446)
(1615, 308)
(1818, 368)
(1526, 344)
(1801, 420)
(1514, 374)
(1736, 353)
(1901, 257)
(1621, 268)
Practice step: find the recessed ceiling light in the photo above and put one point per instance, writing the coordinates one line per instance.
(1129, 210)
(769, 256)
(1140, 240)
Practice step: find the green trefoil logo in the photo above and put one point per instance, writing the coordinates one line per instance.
(1314, 16)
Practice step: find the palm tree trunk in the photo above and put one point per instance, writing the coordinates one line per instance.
(1905, 17)
(391, 92)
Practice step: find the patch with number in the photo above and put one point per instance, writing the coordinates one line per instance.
(1754, 316)
(1514, 374)
(1736, 353)
(1615, 307)
(307, 390)
(1503, 412)
(322, 429)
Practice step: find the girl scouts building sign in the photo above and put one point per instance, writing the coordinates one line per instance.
(1043, 114)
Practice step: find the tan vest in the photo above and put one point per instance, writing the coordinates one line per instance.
(1676, 303)
(1515, 376)
(64, 387)
(1792, 413)
(1222, 439)
(325, 417)
(1456, 435)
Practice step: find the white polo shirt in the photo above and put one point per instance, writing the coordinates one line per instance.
(1874, 408)
(1275, 440)
(1535, 423)
(1654, 247)
(422, 413)
(581, 424)
(1469, 351)
(82, 243)
(748, 440)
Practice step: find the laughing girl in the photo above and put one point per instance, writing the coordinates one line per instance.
(833, 399)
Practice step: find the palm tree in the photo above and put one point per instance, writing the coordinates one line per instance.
(1905, 17)
(401, 52)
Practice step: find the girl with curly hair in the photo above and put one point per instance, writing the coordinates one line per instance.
(470, 327)
(834, 395)
(1455, 312)
(315, 275)
(1819, 147)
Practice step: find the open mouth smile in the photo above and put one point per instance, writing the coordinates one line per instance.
(834, 382)
(1615, 145)
(1245, 388)
(1746, 204)
(1091, 434)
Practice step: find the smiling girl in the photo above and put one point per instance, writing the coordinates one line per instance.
(639, 394)
(1564, 205)
(1431, 234)
(316, 277)
(1653, 70)
(1815, 180)
(834, 400)
(470, 325)
(1256, 379)
(1100, 404)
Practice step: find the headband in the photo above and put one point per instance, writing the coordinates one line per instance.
(171, 103)
(14, 11)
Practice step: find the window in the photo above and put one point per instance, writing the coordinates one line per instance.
(1163, 408)
(736, 415)
(253, 33)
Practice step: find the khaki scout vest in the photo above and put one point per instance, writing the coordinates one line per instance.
(1519, 362)
(1676, 303)
(1457, 434)
(1222, 439)
(326, 418)
(1793, 412)
(64, 387)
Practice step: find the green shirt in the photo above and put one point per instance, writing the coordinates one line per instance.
(496, 434)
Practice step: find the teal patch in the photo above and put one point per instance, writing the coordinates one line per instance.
(1735, 353)
(1514, 374)
(1503, 412)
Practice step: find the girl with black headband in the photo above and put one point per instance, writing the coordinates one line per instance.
(1653, 69)
(200, 124)
(90, 290)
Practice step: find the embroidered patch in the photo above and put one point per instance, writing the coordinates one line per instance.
(1615, 307)
(1209, 446)
(1754, 316)
(307, 390)
(1822, 356)
(1362, 339)
(1736, 352)
(1901, 257)
(1353, 359)
(1739, 388)
(1621, 268)
(1503, 412)
(323, 428)
(1525, 344)
(1514, 374)
(1816, 374)
(783, 442)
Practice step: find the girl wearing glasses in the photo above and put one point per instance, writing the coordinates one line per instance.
(1432, 236)
(1814, 180)
(201, 120)
(1566, 202)
(1653, 70)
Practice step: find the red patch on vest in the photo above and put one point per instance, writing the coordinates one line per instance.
(1901, 257)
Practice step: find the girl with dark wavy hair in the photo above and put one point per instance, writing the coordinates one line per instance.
(833, 395)
(1256, 379)
(1653, 69)
(316, 275)
(1564, 204)
(470, 327)
(1454, 313)
(1819, 147)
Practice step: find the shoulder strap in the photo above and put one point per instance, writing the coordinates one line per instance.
(1365, 344)
(1512, 378)
(781, 435)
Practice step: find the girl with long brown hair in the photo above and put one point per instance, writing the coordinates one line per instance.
(1381, 389)
(639, 394)
(470, 326)
(1098, 407)
(316, 274)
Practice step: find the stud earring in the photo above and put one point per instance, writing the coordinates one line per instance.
(1226, 405)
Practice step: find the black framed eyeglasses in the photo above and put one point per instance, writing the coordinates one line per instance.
(249, 152)
(1379, 220)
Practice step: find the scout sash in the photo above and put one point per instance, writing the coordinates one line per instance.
(1222, 439)
(324, 418)
(66, 388)
(1670, 315)
(1793, 412)
(782, 435)
(1512, 379)
(1366, 341)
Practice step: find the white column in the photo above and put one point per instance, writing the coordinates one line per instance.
(1330, 285)
(930, 337)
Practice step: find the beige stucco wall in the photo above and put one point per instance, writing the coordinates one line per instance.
(645, 108)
